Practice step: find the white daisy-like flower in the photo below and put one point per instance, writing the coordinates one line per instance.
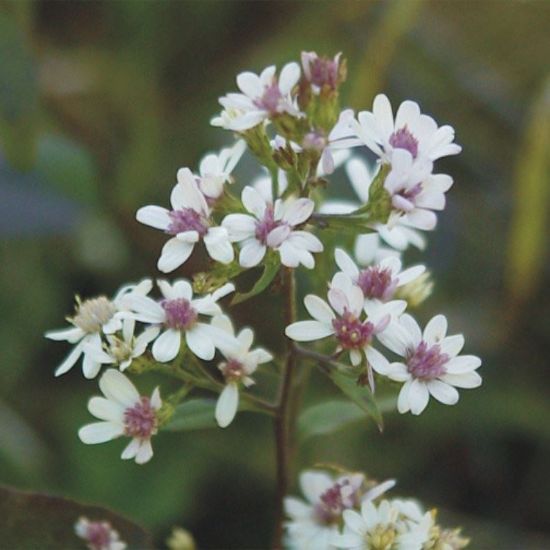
(123, 412)
(188, 222)
(431, 364)
(123, 348)
(262, 97)
(381, 280)
(315, 521)
(411, 131)
(93, 318)
(241, 362)
(98, 535)
(272, 225)
(353, 332)
(178, 314)
(215, 169)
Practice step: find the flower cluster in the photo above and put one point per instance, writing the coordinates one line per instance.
(98, 535)
(346, 511)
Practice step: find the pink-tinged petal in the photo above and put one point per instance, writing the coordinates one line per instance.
(278, 235)
(174, 253)
(252, 253)
(338, 300)
(306, 241)
(314, 484)
(435, 330)
(99, 432)
(298, 211)
(307, 331)
(467, 380)
(253, 201)
(443, 392)
(154, 216)
(167, 345)
(290, 74)
(418, 396)
(227, 405)
(250, 84)
(318, 309)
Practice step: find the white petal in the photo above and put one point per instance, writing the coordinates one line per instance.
(181, 289)
(90, 367)
(289, 77)
(167, 345)
(187, 193)
(145, 452)
(117, 387)
(239, 226)
(143, 340)
(154, 216)
(443, 392)
(452, 345)
(407, 114)
(200, 342)
(70, 360)
(319, 309)
(463, 364)
(307, 331)
(314, 484)
(377, 361)
(253, 201)
(250, 84)
(147, 310)
(298, 211)
(218, 246)
(99, 432)
(104, 409)
(410, 274)
(381, 109)
(403, 403)
(131, 449)
(252, 253)
(71, 335)
(435, 330)
(345, 263)
(174, 253)
(227, 405)
(466, 380)
(360, 177)
(355, 522)
(418, 396)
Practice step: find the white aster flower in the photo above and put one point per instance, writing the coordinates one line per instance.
(411, 131)
(98, 535)
(93, 318)
(241, 362)
(352, 332)
(123, 412)
(122, 349)
(215, 169)
(178, 314)
(262, 96)
(188, 222)
(381, 280)
(272, 225)
(431, 364)
(378, 528)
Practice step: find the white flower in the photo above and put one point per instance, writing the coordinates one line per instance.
(381, 280)
(431, 364)
(188, 222)
(178, 313)
(410, 131)
(262, 97)
(315, 522)
(93, 318)
(123, 348)
(272, 225)
(123, 411)
(215, 169)
(378, 528)
(351, 332)
(99, 535)
(240, 363)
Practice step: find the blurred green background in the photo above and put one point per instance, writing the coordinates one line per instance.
(100, 103)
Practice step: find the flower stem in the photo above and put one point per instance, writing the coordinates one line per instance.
(284, 424)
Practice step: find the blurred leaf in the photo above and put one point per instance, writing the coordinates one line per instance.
(270, 270)
(18, 95)
(528, 239)
(31, 521)
(360, 395)
(194, 414)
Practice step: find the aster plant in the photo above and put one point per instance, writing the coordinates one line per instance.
(296, 239)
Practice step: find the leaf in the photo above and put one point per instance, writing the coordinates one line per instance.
(360, 395)
(270, 270)
(32, 520)
(193, 414)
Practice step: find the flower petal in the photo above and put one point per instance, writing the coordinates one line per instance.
(154, 216)
(307, 331)
(99, 432)
(167, 345)
(227, 405)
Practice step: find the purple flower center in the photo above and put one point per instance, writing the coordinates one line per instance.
(187, 219)
(341, 496)
(351, 332)
(233, 370)
(141, 419)
(267, 224)
(404, 139)
(377, 283)
(323, 71)
(98, 535)
(427, 363)
(180, 314)
(406, 198)
(271, 98)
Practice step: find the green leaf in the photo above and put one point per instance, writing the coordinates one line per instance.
(193, 414)
(270, 270)
(360, 395)
(328, 417)
(32, 520)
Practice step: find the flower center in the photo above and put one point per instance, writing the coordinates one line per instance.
(323, 71)
(180, 314)
(405, 199)
(427, 363)
(232, 370)
(98, 535)
(315, 141)
(187, 219)
(141, 419)
(351, 332)
(120, 349)
(404, 139)
(377, 283)
(381, 537)
(267, 224)
(270, 99)
(92, 314)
